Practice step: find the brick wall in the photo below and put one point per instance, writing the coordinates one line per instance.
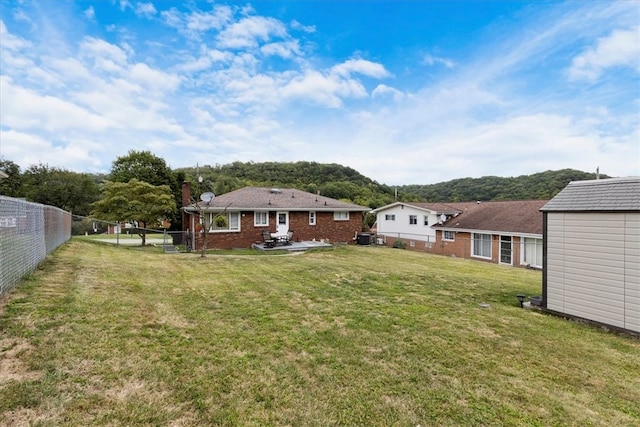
(461, 247)
(326, 228)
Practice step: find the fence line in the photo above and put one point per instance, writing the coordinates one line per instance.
(28, 233)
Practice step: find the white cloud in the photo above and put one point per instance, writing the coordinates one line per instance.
(25, 109)
(11, 42)
(105, 56)
(284, 50)
(433, 60)
(306, 28)
(147, 10)
(249, 31)
(361, 66)
(204, 21)
(384, 91)
(619, 49)
(90, 13)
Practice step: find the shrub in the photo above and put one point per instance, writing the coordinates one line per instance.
(399, 244)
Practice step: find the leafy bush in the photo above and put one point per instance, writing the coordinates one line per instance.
(399, 244)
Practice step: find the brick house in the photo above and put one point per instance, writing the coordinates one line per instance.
(502, 232)
(249, 211)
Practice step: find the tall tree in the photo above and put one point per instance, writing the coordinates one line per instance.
(10, 186)
(135, 201)
(64, 189)
(147, 167)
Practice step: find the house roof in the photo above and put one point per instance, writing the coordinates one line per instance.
(439, 208)
(263, 198)
(515, 216)
(3, 175)
(612, 194)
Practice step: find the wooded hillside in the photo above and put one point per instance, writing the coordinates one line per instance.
(543, 185)
(342, 182)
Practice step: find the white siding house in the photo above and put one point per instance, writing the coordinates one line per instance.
(592, 252)
(411, 221)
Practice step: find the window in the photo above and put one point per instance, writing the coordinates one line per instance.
(481, 245)
(341, 216)
(426, 220)
(532, 252)
(389, 217)
(312, 218)
(260, 218)
(231, 221)
(413, 219)
(449, 235)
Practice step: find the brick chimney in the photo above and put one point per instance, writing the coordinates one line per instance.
(186, 193)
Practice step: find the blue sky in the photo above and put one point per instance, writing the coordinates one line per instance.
(405, 92)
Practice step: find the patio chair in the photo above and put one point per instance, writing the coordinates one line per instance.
(267, 240)
(289, 236)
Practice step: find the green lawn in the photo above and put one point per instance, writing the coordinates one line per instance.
(355, 336)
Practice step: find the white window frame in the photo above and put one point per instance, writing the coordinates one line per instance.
(341, 215)
(535, 253)
(261, 218)
(449, 235)
(413, 219)
(425, 219)
(312, 217)
(390, 217)
(233, 222)
(478, 245)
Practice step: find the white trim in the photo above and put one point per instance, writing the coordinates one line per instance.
(255, 216)
(312, 218)
(473, 240)
(335, 218)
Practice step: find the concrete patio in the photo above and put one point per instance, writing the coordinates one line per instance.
(293, 246)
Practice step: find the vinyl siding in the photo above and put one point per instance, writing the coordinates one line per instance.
(632, 272)
(593, 266)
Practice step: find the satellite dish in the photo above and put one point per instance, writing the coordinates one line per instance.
(207, 197)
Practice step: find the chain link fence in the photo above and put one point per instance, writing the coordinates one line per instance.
(28, 233)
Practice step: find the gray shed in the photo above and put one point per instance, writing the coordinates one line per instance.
(591, 252)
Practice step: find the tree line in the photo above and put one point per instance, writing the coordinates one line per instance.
(140, 172)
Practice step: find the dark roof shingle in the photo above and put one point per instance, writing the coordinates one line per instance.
(515, 216)
(612, 194)
(263, 198)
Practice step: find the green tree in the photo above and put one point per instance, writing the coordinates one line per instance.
(147, 167)
(64, 189)
(10, 186)
(135, 201)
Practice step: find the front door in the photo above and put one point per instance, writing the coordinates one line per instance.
(505, 249)
(282, 225)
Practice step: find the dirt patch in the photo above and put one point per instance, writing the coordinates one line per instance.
(11, 367)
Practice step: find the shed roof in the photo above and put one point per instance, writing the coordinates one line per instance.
(612, 194)
(263, 198)
(514, 216)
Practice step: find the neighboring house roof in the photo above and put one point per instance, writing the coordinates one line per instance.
(515, 216)
(439, 208)
(612, 194)
(3, 175)
(263, 198)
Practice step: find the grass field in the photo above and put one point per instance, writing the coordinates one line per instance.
(353, 336)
